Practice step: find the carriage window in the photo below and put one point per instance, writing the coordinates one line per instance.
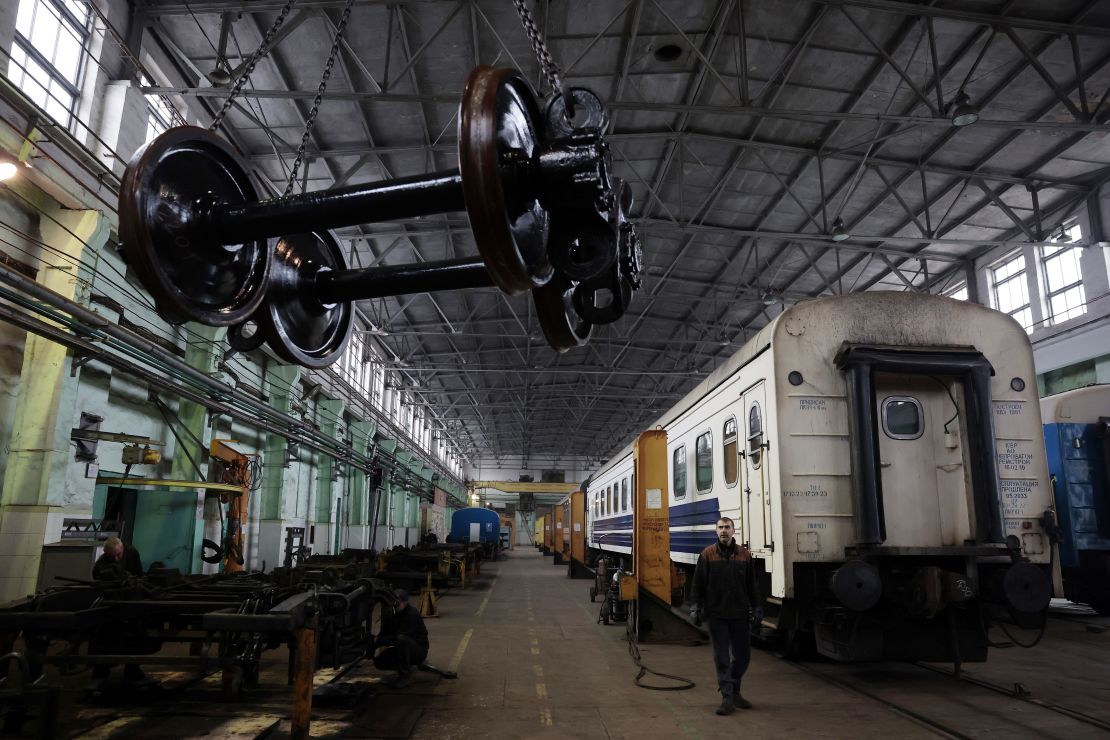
(608, 500)
(703, 461)
(729, 450)
(680, 472)
(755, 435)
(903, 417)
(624, 494)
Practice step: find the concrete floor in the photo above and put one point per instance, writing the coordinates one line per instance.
(533, 663)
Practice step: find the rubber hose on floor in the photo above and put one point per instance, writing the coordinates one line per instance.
(644, 670)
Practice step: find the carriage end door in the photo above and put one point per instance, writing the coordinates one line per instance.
(757, 499)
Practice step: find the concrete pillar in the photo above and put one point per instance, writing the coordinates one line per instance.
(39, 452)
(202, 351)
(123, 123)
(330, 414)
(362, 432)
(277, 477)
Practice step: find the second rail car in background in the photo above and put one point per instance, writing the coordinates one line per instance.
(1077, 439)
(882, 457)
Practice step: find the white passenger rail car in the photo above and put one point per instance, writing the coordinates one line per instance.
(882, 457)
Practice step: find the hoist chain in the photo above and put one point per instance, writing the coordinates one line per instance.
(310, 121)
(543, 56)
(262, 50)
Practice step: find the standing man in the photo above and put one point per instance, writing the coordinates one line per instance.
(725, 593)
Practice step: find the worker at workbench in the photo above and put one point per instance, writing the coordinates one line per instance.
(117, 563)
(109, 566)
(402, 644)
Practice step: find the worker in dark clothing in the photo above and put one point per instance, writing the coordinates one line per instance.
(430, 538)
(133, 562)
(725, 594)
(117, 563)
(403, 641)
(109, 566)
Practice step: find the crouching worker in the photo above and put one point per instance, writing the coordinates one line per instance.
(403, 643)
(726, 595)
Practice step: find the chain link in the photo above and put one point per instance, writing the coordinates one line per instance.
(262, 50)
(310, 121)
(543, 56)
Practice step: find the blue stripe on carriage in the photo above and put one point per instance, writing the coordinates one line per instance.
(692, 542)
(617, 522)
(694, 513)
(615, 540)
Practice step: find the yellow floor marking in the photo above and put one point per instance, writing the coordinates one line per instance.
(454, 664)
(541, 691)
(545, 718)
(538, 669)
(535, 651)
(531, 619)
(535, 641)
(485, 601)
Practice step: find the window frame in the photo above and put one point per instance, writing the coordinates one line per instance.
(707, 434)
(68, 23)
(1021, 275)
(886, 427)
(674, 472)
(1061, 249)
(755, 454)
(736, 449)
(624, 494)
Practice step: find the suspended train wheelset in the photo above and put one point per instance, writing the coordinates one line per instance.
(544, 211)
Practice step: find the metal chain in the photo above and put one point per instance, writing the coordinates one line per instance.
(262, 50)
(310, 121)
(543, 56)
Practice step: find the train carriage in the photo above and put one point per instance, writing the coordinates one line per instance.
(881, 456)
(1077, 440)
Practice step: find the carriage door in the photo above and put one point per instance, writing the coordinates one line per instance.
(757, 499)
(921, 477)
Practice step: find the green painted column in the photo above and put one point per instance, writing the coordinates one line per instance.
(39, 450)
(202, 351)
(330, 414)
(362, 432)
(277, 478)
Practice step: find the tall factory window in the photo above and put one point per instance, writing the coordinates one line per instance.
(959, 292)
(729, 451)
(703, 462)
(624, 494)
(1010, 291)
(679, 464)
(1063, 279)
(48, 54)
(161, 113)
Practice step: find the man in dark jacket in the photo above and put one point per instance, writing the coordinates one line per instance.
(725, 593)
(404, 639)
(110, 566)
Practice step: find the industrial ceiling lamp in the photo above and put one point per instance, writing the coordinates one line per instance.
(963, 112)
(7, 169)
(839, 232)
(221, 75)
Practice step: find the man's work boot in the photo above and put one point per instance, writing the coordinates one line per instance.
(727, 705)
(740, 701)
